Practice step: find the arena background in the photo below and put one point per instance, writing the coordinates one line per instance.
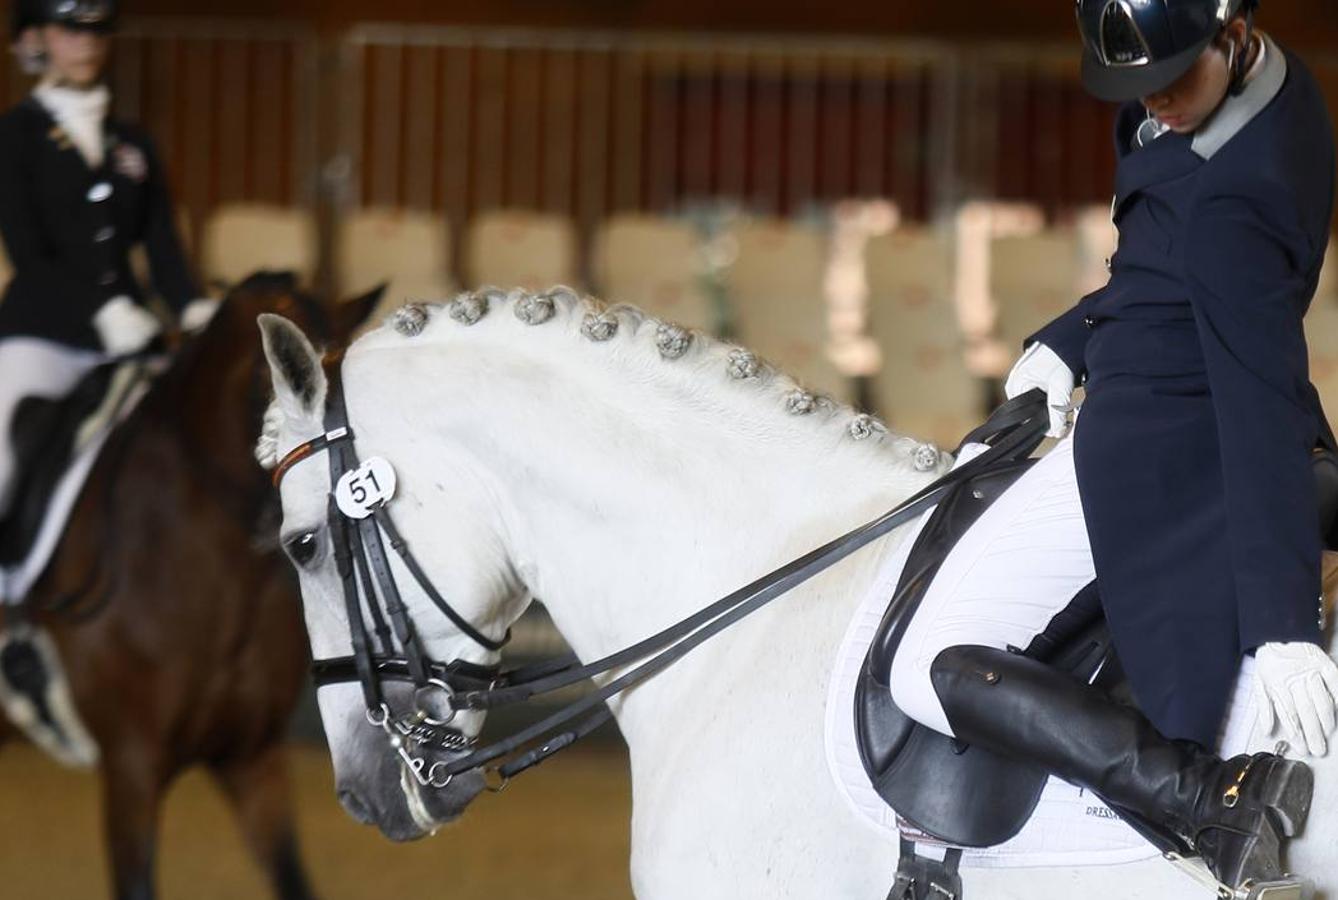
(884, 197)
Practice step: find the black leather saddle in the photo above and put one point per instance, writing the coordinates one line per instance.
(42, 440)
(966, 796)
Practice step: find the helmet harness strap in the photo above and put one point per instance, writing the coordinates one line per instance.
(1239, 60)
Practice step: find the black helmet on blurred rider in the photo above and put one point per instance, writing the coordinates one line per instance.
(1133, 48)
(79, 15)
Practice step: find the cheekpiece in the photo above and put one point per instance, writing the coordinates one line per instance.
(534, 309)
(599, 326)
(672, 340)
(743, 365)
(467, 309)
(865, 426)
(925, 457)
(410, 319)
(800, 403)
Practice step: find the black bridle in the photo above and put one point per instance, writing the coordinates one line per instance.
(443, 689)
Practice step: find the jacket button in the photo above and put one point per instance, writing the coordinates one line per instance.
(104, 234)
(1089, 321)
(99, 192)
(107, 279)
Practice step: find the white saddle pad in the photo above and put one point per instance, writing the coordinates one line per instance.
(1069, 828)
(127, 388)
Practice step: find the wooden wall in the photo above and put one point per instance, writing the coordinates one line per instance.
(302, 103)
(1312, 23)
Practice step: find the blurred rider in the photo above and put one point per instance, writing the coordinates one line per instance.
(78, 190)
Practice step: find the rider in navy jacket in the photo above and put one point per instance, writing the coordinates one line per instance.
(1194, 453)
(1191, 457)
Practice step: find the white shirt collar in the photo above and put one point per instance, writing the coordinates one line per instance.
(80, 113)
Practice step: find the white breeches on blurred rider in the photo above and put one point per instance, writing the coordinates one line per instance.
(33, 367)
(1019, 565)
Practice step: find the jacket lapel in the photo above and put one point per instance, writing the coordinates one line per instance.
(69, 155)
(1167, 158)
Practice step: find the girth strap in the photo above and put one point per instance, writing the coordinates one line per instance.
(921, 878)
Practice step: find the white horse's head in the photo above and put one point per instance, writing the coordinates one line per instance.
(623, 469)
(468, 565)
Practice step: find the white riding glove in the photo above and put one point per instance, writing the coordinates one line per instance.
(124, 326)
(195, 317)
(1296, 685)
(1040, 367)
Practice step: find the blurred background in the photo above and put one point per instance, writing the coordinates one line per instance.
(882, 198)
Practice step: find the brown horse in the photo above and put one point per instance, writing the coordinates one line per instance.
(184, 642)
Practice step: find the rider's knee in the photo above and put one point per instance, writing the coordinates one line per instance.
(913, 690)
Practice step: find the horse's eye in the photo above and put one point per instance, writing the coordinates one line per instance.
(302, 549)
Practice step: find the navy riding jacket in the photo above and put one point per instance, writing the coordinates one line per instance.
(69, 228)
(1193, 446)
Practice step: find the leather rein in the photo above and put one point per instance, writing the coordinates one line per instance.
(443, 689)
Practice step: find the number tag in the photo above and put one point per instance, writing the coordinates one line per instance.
(360, 491)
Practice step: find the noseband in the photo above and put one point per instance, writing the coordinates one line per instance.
(442, 689)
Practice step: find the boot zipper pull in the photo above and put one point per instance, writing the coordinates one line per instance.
(1232, 795)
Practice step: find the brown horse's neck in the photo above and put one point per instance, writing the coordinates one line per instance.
(215, 403)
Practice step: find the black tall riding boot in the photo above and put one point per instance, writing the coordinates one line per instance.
(1235, 813)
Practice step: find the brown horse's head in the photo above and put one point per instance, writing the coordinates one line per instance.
(332, 325)
(218, 388)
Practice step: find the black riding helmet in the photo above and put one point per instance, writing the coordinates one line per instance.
(1132, 48)
(87, 15)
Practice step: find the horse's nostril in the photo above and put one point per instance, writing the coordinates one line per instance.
(355, 807)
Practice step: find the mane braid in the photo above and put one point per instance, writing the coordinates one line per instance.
(598, 322)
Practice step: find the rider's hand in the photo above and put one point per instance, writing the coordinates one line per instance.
(195, 317)
(1040, 367)
(124, 326)
(1296, 686)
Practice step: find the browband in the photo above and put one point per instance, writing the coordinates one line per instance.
(306, 449)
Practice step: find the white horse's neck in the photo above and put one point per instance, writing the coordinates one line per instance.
(627, 491)
(633, 489)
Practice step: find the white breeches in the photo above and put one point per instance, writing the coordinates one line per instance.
(1019, 565)
(32, 367)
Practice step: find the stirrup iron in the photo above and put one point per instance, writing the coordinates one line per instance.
(1289, 887)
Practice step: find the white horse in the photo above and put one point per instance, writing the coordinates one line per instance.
(550, 449)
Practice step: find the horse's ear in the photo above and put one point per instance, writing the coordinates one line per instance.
(349, 315)
(294, 365)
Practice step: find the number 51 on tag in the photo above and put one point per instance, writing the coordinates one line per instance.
(360, 491)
